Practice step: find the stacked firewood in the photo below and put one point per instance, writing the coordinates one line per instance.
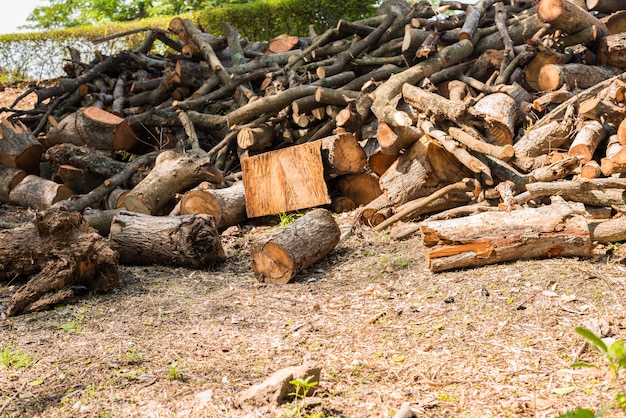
(482, 110)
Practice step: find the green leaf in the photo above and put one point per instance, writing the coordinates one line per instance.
(579, 413)
(583, 364)
(35, 382)
(621, 400)
(616, 350)
(593, 338)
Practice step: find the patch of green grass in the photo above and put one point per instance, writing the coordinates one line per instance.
(177, 371)
(14, 358)
(287, 218)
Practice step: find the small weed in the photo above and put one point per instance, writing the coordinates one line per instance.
(71, 327)
(132, 356)
(615, 354)
(15, 358)
(288, 218)
(302, 388)
(177, 371)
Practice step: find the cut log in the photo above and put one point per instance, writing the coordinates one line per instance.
(59, 254)
(19, 148)
(553, 76)
(605, 6)
(503, 153)
(342, 154)
(602, 110)
(621, 132)
(567, 17)
(583, 192)
(172, 173)
(557, 230)
(295, 247)
(94, 127)
(9, 178)
(612, 230)
(590, 170)
(190, 241)
(284, 180)
(394, 141)
(611, 51)
(361, 188)
(226, 205)
(38, 193)
(587, 140)
(255, 139)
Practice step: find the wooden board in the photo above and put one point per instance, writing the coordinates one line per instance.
(284, 180)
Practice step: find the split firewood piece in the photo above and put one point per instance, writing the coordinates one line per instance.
(342, 154)
(38, 193)
(557, 230)
(356, 49)
(454, 148)
(93, 127)
(227, 205)
(379, 162)
(395, 141)
(611, 50)
(190, 241)
(477, 144)
(255, 139)
(567, 17)
(554, 76)
(541, 139)
(587, 140)
(583, 192)
(285, 180)
(59, 253)
(172, 173)
(383, 106)
(500, 112)
(293, 248)
(408, 209)
(602, 110)
(18, 147)
(9, 178)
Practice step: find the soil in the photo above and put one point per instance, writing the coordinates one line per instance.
(173, 342)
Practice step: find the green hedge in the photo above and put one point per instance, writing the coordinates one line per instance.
(263, 20)
(40, 55)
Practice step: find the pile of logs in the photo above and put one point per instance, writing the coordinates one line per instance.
(483, 110)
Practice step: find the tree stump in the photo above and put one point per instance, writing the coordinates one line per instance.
(295, 247)
(62, 253)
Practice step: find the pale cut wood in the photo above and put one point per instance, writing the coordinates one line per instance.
(226, 205)
(616, 22)
(172, 173)
(602, 110)
(342, 154)
(591, 170)
(9, 178)
(569, 18)
(612, 230)
(500, 112)
(94, 127)
(395, 141)
(531, 72)
(605, 6)
(553, 76)
(361, 188)
(284, 180)
(255, 139)
(557, 230)
(370, 214)
(474, 143)
(432, 104)
(587, 140)
(18, 147)
(190, 241)
(38, 193)
(584, 192)
(380, 162)
(295, 247)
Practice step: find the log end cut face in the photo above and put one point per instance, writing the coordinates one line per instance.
(272, 264)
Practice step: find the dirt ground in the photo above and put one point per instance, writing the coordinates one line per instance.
(495, 341)
(171, 342)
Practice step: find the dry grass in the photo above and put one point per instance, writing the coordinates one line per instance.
(371, 312)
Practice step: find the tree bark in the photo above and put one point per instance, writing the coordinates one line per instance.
(190, 241)
(494, 237)
(19, 148)
(59, 253)
(38, 193)
(295, 247)
(226, 205)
